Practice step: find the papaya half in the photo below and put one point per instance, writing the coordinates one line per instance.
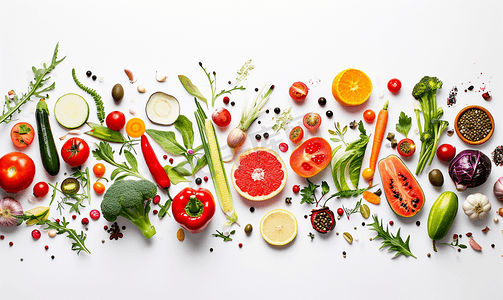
(404, 194)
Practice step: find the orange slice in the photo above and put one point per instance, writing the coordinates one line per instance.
(351, 87)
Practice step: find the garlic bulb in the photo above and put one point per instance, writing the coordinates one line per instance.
(476, 206)
(9, 208)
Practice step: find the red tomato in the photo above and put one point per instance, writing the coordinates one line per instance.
(75, 152)
(22, 134)
(311, 157)
(99, 187)
(297, 134)
(446, 152)
(99, 169)
(17, 171)
(394, 85)
(40, 189)
(221, 117)
(369, 116)
(298, 91)
(115, 120)
(406, 147)
(311, 121)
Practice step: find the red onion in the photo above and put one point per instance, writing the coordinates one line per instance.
(8, 209)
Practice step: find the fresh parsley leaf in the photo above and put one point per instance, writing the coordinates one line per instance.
(395, 243)
(325, 189)
(307, 193)
(404, 124)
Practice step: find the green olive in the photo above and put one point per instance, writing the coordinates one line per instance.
(248, 229)
(436, 178)
(117, 92)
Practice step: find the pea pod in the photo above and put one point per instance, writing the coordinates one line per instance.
(104, 133)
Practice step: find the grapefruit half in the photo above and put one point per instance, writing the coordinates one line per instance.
(259, 174)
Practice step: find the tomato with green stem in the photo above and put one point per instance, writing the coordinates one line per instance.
(75, 152)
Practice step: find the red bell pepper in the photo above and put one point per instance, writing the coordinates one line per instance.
(160, 176)
(193, 209)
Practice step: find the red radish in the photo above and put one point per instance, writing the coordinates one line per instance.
(94, 214)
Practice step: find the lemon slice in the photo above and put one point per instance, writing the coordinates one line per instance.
(278, 227)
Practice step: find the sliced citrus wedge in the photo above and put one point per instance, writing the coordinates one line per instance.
(278, 227)
(351, 87)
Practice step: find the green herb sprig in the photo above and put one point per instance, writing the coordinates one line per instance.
(283, 119)
(13, 104)
(61, 228)
(227, 238)
(356, 209)
(404, 124)
(100, 108)
(308, 192)
(455, 243)
(395, 243)
(104, 152)
(68, 199)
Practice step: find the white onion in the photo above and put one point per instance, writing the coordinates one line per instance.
(8, 209)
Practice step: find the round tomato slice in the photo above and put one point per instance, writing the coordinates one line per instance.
(311, 157)
(22, 134)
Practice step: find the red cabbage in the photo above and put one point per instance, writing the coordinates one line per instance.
(470, 168)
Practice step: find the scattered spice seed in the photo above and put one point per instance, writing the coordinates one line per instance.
(266, 111)
(46, 247)
(451, 99)
(322, 101)
(252, 209)
(391, 223)
(205, 178)
(429, 255)
(85, 221)
(180, 234)
(305, 216)
(53, 257)
(277, 110)
(329, 113)
(266, 135)
(229, 82)
(486, 96)
(240, 245)
(123, 227)
(459, 249)
(258, 137)
(105, 227)
(171, 160)
(471, 87)
(89, 73)
(2, 237)
(102, 241)
(21, 259)
(74, 217)
(226, 100)
(259, 122)
(485, 230)
(199, 181)
(256, 89)
(211, 249)
(233, 103)
(95, 77)
(165, 156)
(450, 132)
(288, 200)
(11, 244)
(492, 245)
(418, 223)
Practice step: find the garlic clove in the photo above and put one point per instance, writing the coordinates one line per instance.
(141, 89)
(160, 78)
(130, 76)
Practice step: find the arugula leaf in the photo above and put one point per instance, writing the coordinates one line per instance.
(307, 193)
(404, 124)
(104, 152)
(395, 243)
(192, 89)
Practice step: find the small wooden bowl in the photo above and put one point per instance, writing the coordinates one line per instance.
(487, 137)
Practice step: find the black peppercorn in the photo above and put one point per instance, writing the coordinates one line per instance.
(322, 101)
(277, 110)
(233, 103)
(94, 77)
(266, 111)
(258, 137)
(256, 89)
(199, 181)
(89, 73)
(266, 135)
(329, 113)
(252, 209)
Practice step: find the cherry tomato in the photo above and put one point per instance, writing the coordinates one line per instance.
(40, 189)
(446, 152)
(394, 85)
(369, 116)
(311, 121)
(221, 117)
(297, 134)
(406, 147)
(22, 134)
(298, 91)
(368, 174)
(340, 211)
(296, 188)
(17, 171)
(75, 152)
(116, 120)
(99, 187)
(99, 170)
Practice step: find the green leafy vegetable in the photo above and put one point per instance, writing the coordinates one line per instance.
(168, 142)
(74, 200)
(192, 89)
(23, 129)
(61, 228)
(100, 108)
(404, 124)
(395, 243)
(347, 159)
(308, 192)
(13, 104)
(282, 120)
(227, 238)
(104, 152)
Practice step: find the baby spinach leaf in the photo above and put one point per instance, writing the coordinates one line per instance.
(184, 125)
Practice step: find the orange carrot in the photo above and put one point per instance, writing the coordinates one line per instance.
(382, 121)
(371, 197)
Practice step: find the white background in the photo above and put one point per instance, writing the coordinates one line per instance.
(457, 41)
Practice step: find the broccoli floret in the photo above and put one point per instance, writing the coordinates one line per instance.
(131, 200)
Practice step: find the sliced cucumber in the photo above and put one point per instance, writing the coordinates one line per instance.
(71, 111)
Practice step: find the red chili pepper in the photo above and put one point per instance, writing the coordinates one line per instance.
(157, 171)
(193, 209)
(155, 168)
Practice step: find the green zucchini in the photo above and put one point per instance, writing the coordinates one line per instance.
(48, 151)
(442, 214)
